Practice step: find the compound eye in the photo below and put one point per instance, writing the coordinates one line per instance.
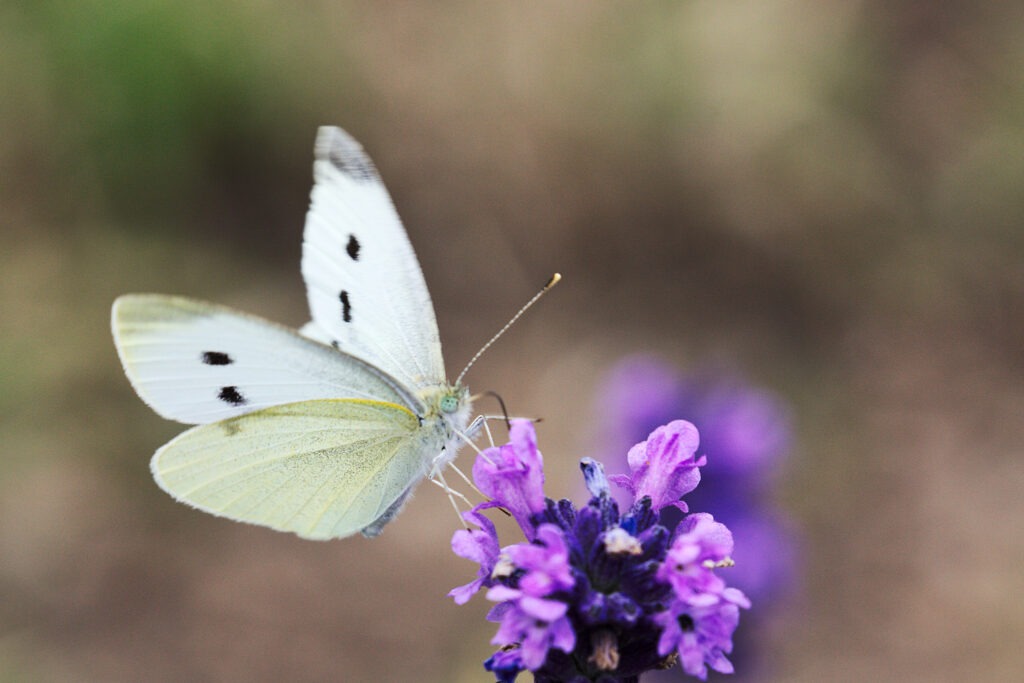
(449, 404)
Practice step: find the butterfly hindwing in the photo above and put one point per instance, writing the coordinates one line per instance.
(321, 469)
(366, 291)
(196, 362)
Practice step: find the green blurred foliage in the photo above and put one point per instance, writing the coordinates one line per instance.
(142, 104)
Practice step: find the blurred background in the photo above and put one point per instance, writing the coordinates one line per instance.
(823, 198)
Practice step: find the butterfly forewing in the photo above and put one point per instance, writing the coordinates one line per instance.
(366, 291)
(196, 362)
(320, 469)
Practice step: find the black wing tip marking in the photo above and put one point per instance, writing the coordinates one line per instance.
(345, 154)
(216, 358)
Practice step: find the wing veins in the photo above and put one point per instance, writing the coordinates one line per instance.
(390, 460)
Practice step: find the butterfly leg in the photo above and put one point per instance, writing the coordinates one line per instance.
(438, 478)
(483, 421)
(466, 479)
(470, 432)
(474, 427)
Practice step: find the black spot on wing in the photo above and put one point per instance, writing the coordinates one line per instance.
(217, 358)
(231, 395)
(353, 247)
(353, 162)
(346, 306)
(336, 344)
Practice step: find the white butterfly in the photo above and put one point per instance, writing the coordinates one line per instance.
(322, 432)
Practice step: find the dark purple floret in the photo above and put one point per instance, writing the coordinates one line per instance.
(506, 664)
(593, 476)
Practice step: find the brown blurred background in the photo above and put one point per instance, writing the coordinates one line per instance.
(825, 195)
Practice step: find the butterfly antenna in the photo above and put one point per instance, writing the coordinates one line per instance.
(550, 283)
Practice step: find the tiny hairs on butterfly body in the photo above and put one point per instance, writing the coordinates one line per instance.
(324, 431)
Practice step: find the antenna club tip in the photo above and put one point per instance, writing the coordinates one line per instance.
(555, 279)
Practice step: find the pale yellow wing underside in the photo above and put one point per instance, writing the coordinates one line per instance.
(321, 469)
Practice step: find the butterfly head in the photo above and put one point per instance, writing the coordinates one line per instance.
(448, 408)
(450, 402)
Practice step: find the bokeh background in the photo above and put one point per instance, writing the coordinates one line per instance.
(823, 196)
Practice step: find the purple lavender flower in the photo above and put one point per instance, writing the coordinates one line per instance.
(529, 616)
(514, 474)
(663, 467)
(700, 542)
(704, 612)
(593, 595)
(700, 632)
(479, 545)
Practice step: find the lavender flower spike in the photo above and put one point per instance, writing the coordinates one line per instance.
(513, 475)
(664, 467)
(593, 595)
